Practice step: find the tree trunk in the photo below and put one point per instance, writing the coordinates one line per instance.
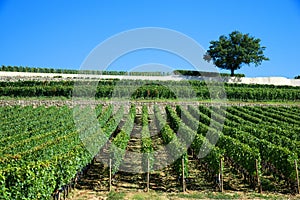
(232, 72)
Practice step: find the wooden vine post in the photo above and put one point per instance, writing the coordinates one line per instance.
(257, 177)
(110, 174)
(297, 177)
(148, 175)
(65, 193)
(183, 178)
(221, 175)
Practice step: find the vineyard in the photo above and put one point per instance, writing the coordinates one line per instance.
(46, 151)
(149, 90)
(132, 73)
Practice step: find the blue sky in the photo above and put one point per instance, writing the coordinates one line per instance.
(61, 34)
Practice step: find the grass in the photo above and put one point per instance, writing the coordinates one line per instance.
(147, 196)
(154, 195)
(115, 195)
(206, 195)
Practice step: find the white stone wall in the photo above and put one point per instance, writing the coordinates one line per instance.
(267, 81)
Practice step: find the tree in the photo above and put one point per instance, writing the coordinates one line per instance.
(232, 52)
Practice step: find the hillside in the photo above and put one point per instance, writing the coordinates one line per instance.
(164, 134)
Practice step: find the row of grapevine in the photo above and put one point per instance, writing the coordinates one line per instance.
(35, 172)
(280, 160)
(112, 82)
(200, 145)
(259, 131)
(175, 147)
(147, 146)
(146, 90)
(281, 116)
(18, 123)
(242, 155)
(13, 133)
(272, 125)
(45, 151)
(100, 131)
(43, 135)
(119, 143)
(35, 168)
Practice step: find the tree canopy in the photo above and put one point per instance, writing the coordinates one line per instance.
(232, 52)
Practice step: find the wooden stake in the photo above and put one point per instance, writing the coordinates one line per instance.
(221, 175)
(297, 177)
(257, 177)
(65, 193)
(183, 178)
(148, 175)
(68, 190)
(110, 175)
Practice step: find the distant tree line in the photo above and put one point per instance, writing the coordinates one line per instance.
(37, 70)
(74, 71)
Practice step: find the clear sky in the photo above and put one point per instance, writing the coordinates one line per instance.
(61, 33)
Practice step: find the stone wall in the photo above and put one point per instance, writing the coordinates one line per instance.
(139, 104)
